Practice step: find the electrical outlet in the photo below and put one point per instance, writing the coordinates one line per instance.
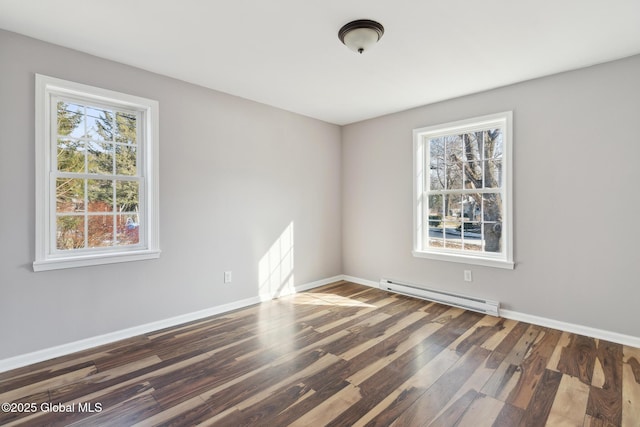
(467, 276)
(227, 277)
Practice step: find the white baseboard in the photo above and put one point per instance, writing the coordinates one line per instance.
(319, 283)
(65, 349)
(573, 328)
(360, 281)
(72, 347)
(543, 321)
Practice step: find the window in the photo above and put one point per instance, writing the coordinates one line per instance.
(96, 176)
(463, 191)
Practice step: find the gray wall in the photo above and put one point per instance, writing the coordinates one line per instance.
(233, 175)
(576, 198)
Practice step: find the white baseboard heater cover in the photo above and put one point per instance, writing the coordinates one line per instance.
(462, 301)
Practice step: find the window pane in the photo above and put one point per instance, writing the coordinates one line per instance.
(69, 232)
(492, 174)
(454, 160)
(492, 232)
(472, 207)
(70, 157)
(436, 148)
(126, 128)
(100, 124)
(472, 235)
(454, 176)
(435, 239)
(473, 144)
(128, 229)
(100, 231)
(453, 207)
(100, 195)
(473, 175)
(127, 196)
(471, 214)
(69, 195)
(100, 158)
(437, 176)
(492, 207)
(70, 119)
(493, 146)
(432, 236)
(492, 217)
(453, 243)
(451, 223)
(435, 221)
(126, 160)
(435, 205)
(437, 164)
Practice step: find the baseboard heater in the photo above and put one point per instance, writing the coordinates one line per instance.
(455, 300)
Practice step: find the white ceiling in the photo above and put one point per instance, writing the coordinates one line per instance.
(286, 53)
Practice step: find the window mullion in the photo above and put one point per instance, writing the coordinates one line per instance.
(79, 175)
(465, 191)
(85, 143)
(114, 211)
(483, 163)
(85, 200)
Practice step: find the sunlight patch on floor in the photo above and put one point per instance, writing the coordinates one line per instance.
(316, 298)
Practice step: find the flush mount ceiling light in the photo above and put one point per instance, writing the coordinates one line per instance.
(361, 35)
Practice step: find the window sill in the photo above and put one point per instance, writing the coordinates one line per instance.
(94, 259)
(466, 259)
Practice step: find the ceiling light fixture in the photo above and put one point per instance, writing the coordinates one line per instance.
(361, 35)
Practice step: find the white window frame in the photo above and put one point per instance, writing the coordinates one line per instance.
(47, 257)
(421, 178)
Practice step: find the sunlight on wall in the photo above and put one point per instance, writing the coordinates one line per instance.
(275, 270)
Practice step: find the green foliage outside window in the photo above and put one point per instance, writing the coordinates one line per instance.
(100, 144)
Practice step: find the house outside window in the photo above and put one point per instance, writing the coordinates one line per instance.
(96, 176)
(463, 195)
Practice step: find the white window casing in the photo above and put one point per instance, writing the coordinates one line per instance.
(144, 113)
(456, 186)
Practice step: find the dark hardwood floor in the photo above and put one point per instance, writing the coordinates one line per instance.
(340, 355)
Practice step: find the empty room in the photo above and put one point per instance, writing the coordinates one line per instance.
(341, 213)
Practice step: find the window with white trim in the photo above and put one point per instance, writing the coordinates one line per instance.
(462, 198)
(96, 176)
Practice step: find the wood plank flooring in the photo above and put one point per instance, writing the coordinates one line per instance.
(340, 355)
